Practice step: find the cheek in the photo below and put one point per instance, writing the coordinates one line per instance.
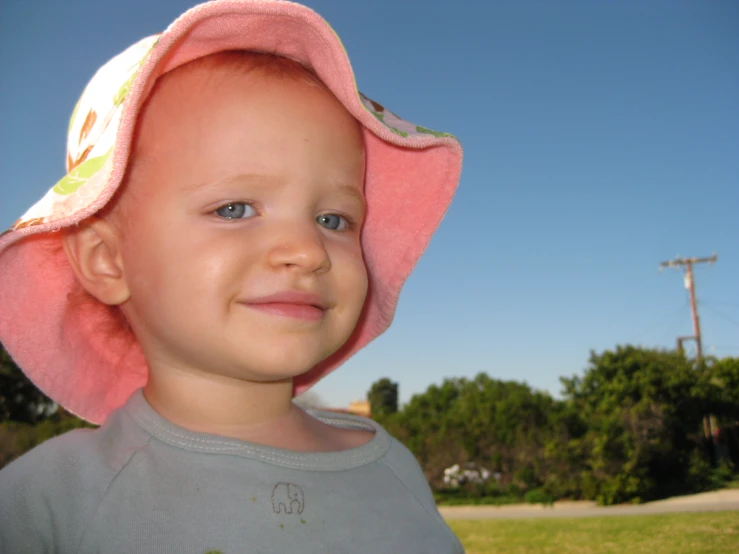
(352, 276)
(165, 264)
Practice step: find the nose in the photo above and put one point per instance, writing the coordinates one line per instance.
(300, 249)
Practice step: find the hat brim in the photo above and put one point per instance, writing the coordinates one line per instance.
(412, 174)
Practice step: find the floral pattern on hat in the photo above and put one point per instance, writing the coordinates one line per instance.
(397, 125)
(90, 138)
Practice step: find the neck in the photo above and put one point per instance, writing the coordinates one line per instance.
(218, 404)
(256, 412)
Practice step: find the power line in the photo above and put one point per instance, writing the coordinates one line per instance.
(718, 313)
(724, 348)
(667, 320)
(724, 303)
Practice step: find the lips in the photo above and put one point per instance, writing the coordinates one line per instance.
(292, 304)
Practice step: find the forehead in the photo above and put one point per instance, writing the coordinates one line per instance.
(241, 103)
(183, 93)
(212, 70)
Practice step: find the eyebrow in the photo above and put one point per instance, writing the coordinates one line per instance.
(355, 192)
(262, 180)
(251, 178)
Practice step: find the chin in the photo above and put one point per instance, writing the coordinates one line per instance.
(277, 368)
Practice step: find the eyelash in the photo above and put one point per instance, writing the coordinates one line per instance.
(348, 221)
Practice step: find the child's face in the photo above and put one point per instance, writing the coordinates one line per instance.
(243, 187)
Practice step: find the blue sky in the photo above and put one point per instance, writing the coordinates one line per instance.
(601, 138)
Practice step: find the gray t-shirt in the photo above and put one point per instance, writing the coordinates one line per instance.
(142, 484)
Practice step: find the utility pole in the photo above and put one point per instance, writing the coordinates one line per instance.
(708, 423)
(688, 263)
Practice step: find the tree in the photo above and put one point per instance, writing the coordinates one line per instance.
(724, 375)
(423, 427)
(383, 398)
(20, 400)
(644, 410)
(27, 416)
(724, 378)
(629, 428)
(503, 426)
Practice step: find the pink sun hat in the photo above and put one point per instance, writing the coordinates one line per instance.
(68, 350)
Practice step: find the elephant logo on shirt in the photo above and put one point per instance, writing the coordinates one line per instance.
(287, 498)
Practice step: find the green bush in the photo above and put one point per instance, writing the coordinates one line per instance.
(627, 429)
(539, 496)
(460, 497)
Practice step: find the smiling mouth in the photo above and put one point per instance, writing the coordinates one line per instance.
(290, 304)
(305, 312)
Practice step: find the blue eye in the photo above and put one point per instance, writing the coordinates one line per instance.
(236, 210)
(333, 222)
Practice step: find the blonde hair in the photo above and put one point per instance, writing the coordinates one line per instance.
(246, 61)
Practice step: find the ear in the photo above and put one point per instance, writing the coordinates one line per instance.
(93, 250)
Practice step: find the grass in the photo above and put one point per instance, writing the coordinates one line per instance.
(703, 533)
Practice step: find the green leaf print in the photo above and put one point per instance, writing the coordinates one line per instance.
(125, 87)
(79, 175)
(121, 94)
(430, 132)
(398, 131)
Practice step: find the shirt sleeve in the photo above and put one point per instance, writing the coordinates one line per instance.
(48, 494)
(406, 468)
(25, 522)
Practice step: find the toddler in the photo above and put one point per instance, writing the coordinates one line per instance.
(236, 221)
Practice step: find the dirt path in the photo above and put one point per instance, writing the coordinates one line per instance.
(716, 501)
